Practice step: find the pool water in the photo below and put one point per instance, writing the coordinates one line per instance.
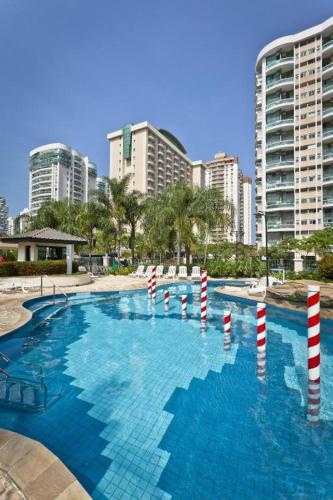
(149, 405)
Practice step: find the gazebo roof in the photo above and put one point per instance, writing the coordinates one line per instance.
(45, 235)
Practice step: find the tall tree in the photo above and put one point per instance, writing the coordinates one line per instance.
(90, 218)
(114, 200)
(134, 209)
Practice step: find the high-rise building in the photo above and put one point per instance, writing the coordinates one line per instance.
(24, 220)
(59, 172)
(154, 157)
(101, 184)
(224, 173)
(246, 211)
(198, 174)
(3, 215)
(10, 226)
(294, 134)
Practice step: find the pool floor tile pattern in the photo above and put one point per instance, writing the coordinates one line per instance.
(134, 412)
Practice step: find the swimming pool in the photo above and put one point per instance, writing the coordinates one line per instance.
(145, 405)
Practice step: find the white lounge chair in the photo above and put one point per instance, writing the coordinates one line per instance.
(148, 272)
(182, 273)
(159, 271)
(196, 274)
(139, 272)
(82, 269)
(28, 286)
(8, 287)
(171, 274)
(260, 287)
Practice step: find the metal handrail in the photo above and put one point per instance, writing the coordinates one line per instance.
(54, 287)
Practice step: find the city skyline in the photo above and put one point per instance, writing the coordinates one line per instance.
(180, 81)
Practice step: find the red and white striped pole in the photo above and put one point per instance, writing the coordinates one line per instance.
(261, 341)
(203, 296)
(313, 354)
(153, 284)
(261, 327)
(149, 286)
(227, 330)
(166, 299)
(184, 305)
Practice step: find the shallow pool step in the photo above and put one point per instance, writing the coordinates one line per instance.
(23, 394)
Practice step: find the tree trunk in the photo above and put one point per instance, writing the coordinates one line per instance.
(206, 247)
(118, 242)
(178, 249)
(133, 244)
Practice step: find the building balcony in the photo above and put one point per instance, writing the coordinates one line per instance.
(327, 45)
(328, 202)
(280, 103)
(280, 123)
(279, 162)
(282, 62)
(328, 179)
(328, 90)
(278, 226)
(280, 83)
(277, 186)
(328, 222)
(327, 69)
(280, 205)
(280, 144)
(327, 134)
(328, 112)
(328, 155)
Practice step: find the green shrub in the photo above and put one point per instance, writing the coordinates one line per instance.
(326, 267)
(124, 271)
(244, 267)
(304, 275)
(35, 268)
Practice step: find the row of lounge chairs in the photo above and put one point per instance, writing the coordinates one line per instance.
(170, 274)
(18, 286)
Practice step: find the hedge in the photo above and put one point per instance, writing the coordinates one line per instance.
(326, 267)
(35, 268)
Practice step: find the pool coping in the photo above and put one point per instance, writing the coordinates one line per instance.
(29, 470)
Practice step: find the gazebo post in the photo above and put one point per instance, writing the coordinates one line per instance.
(69, 258)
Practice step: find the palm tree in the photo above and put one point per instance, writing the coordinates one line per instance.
(210, 210)
(114, 200)
(134, 209)
(90, 218)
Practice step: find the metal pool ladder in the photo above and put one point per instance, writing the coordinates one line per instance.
(21, 393)
(54, 287)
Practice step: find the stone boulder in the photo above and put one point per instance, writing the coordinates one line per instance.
(296, 292)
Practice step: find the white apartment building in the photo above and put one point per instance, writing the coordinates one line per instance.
(3, 215)
(154, 157)
(59, 172)
(10, 226)
(198, 174)
(247, 214)
(224, 173)
(294, 134)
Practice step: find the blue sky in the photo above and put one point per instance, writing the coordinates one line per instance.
(74, 70)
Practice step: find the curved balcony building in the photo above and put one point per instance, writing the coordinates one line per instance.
(294, 134)
(59, 172)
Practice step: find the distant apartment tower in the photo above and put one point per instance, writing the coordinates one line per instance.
(59, 172)
(3, 215)
(24, 220)
(154, 157)
(10, 226)
(101, 184)
(247, 214)
(198, 174)
(223, 173)
(294, 134)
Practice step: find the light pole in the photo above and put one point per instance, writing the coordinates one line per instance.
(264, 215)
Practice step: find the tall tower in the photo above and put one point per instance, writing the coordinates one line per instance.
(294, 134)
(59, 172)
